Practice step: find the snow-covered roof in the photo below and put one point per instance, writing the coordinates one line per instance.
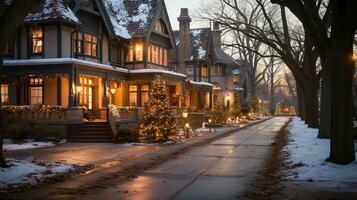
(221, 57)
(148, 71)
(52, 10)
(50, 61)
(200, 83)
(236, 72)
(129, 18)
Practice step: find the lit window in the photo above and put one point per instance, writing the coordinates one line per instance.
(86, 93)
(130, 56)
(85, 44)
(165, 57)
(78, 43)
(144, 94)
(133, 95)
(157, 55)
(160, 27)
(4, 94)
(204, 73)
(36, 91)
(236, 79)
(139, 52)
(36, 40)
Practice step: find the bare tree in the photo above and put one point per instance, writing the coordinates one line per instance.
(333, 32)
(273, 67)
(275, 31)
(12, 14)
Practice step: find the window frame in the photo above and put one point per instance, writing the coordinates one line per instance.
(30, 36)
(39, 85)
(9, 49)
(158, 55)
(4, 94)
(82, 42)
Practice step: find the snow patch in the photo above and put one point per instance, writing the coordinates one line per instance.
(118, 17)
(8, 145)
(143, 14)
(306, 148)
(26, 173)
(197, 44)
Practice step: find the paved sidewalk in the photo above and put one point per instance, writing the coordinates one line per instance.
(219, 165)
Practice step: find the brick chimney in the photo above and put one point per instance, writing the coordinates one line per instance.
(217, 35)
(185, 45)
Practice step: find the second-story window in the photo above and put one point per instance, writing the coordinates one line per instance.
(139, 53)
(36, 37)
(157, 55)
(90, 45)
(85, 44)
(8, 49)
(204, 73)
(130, 55)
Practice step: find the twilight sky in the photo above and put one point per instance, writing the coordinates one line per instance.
(174, 7)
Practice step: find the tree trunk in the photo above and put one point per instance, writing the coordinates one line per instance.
(311, 105)
(342, 147)
(325, 105)
(272, 100)
(300, 101)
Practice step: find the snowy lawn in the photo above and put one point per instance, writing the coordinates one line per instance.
(29, 173)
(309, 152)
(8, 145)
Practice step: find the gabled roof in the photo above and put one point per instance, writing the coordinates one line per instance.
(200, 40)
(52, 10)
(131, 18)
(220, 57)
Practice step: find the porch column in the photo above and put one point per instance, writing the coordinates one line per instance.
(72, 87)
(106, 90)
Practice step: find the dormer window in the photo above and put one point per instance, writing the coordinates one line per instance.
(160, 27)
(36, 40)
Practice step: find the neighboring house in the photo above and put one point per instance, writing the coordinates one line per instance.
(91, 53)
(201, 57)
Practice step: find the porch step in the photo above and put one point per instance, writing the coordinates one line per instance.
(91, 132)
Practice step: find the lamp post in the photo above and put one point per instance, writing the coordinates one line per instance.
(187, 125)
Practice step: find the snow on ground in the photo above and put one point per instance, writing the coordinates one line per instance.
(306, 148)
(28, 173)
(8, 145)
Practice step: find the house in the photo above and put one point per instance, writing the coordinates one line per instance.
(92, 53)
(202, 59)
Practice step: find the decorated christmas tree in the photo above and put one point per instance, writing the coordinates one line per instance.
(157, 119)
(236, 108)
(219, 116)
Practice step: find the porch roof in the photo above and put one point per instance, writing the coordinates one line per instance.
(63, 61)
(201, 85)
(148, 74)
